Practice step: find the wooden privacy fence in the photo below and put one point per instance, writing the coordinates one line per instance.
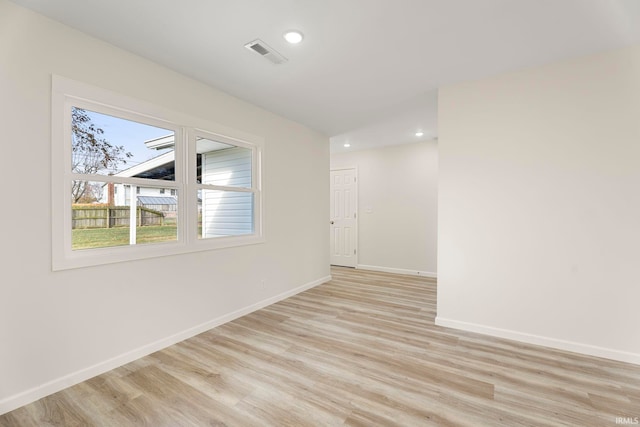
(102, 216)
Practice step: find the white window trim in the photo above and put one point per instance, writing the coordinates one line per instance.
(67, 93)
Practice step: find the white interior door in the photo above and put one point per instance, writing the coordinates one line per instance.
(343, 217)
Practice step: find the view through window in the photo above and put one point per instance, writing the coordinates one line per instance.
(134, 180)
(112, 211)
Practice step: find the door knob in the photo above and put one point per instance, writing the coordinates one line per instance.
(331, 222)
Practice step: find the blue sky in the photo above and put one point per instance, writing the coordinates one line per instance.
(129, 134)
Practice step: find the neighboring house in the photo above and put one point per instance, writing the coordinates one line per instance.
(122, 194)
(223, 213)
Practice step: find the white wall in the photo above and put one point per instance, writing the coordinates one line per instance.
(58, 328)
(539, 205)
(397, 204)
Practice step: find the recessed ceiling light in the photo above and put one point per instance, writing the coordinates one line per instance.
(347, 145)
(293, 36)
(419, 133)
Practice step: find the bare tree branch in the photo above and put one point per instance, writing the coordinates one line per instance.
(91, 154)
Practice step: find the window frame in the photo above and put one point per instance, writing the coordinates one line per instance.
(67, 93)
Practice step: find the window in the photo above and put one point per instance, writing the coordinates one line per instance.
(132, 180)
(224, 188)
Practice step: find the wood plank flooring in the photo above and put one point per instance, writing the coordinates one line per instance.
(360, 350)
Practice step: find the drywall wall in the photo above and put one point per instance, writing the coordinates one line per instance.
(397, 205)
(539, 205)
(58, 328)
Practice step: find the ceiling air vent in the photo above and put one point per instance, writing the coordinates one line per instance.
(260, 47)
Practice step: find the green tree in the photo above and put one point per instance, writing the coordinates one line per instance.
(91, 154)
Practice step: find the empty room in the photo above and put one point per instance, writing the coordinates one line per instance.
(320, 213)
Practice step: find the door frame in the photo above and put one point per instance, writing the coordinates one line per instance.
(356, 233)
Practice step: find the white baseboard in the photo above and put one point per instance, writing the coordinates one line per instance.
(575, 347)
(397, 270)
(16, 401)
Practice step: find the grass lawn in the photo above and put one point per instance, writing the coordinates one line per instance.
(107, 237)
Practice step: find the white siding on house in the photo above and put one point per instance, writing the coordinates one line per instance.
(227, 213)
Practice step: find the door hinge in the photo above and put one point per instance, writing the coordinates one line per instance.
(354, 215)
(354, 251)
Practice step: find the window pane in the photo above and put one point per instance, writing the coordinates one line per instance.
(224, 213)
(108, 145)
(102, 216)
(223, 164)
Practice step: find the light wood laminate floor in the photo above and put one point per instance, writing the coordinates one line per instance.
(360, 350)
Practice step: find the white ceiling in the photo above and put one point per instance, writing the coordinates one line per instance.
(367, 71)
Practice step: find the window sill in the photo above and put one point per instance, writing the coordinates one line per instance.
(110, 255)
